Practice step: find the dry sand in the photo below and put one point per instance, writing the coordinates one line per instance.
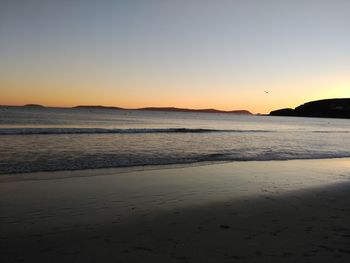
(287, 211)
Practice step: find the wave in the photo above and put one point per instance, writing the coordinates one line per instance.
(54, 131)
(276, 156)
(57, 131)
(104, 161)
(331, 131)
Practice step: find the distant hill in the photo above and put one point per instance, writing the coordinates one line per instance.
(195, 110)
(98, 107)
(170, 109)
(173, 109)
(34, 105)
(328, 108)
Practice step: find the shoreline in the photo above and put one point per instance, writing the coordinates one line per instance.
(62, 174)
(295, 211)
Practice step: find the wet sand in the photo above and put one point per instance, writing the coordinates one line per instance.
(277, 211)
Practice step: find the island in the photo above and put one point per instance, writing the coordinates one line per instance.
(97, 107)
(327, 108)
(34, 105)
(167, 109)
(172, 109)
(242, 112)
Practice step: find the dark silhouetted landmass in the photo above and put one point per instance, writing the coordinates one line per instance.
(283, 112)
(328, 108)
(170, 109)
(97, 107)
(34, 105)
(173, 109)
(195, 110)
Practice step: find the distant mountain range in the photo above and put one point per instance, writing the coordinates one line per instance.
(328, 108)
(97, 107)
(171, 109)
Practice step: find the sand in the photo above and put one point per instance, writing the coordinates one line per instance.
(277, 211)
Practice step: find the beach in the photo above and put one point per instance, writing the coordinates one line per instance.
(175, 131)
(256, 211)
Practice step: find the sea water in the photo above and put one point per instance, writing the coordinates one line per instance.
(34, 139)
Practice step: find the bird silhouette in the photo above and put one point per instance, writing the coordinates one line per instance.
(266, 92)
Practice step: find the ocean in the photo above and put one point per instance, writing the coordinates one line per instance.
(55, 139)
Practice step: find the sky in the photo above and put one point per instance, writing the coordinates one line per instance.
(185, 53)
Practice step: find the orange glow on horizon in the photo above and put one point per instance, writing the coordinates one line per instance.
(255, 100)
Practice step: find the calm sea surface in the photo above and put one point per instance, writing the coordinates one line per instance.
(35, 139)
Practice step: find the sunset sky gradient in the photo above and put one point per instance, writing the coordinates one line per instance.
(194, 54)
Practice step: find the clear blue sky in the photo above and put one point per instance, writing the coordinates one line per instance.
(198, 54)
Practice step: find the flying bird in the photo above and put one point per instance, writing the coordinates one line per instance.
(266, 92)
